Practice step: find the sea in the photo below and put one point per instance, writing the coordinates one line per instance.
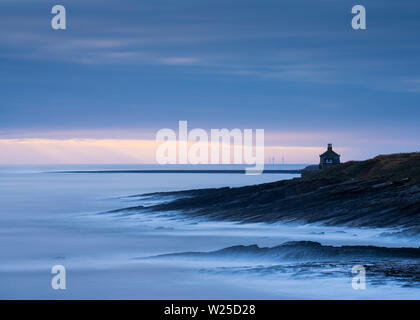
(50, 217)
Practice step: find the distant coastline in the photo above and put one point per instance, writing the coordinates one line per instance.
(240, 171)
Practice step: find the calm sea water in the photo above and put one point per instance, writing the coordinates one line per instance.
(52, 219)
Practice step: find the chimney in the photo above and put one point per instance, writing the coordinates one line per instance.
(330, 147)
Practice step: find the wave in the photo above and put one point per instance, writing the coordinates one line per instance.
(302, 251)
(356, 203)
(306, 260)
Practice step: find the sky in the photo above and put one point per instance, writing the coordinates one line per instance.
(99, 91)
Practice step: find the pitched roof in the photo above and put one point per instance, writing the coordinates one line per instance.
(329, 153)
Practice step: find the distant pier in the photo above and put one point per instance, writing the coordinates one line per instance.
(227, 171)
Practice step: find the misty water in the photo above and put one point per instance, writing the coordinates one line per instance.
(52, 219)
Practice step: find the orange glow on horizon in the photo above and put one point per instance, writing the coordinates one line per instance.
(117, 151)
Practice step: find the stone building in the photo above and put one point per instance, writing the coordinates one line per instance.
(329, 158)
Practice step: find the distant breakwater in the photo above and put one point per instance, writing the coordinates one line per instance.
(241, 171)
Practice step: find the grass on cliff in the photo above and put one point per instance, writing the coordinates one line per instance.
(390, 167)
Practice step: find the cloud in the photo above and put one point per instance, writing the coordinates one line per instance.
(124, 146)
(217, 37)
(295, 65)
(76, 151)
(180, 60)
(107, 151)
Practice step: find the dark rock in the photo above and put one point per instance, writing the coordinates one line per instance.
(380, 192)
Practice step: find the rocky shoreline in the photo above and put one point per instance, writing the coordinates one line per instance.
(302, 251)
(383, 192)
(308, 259)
